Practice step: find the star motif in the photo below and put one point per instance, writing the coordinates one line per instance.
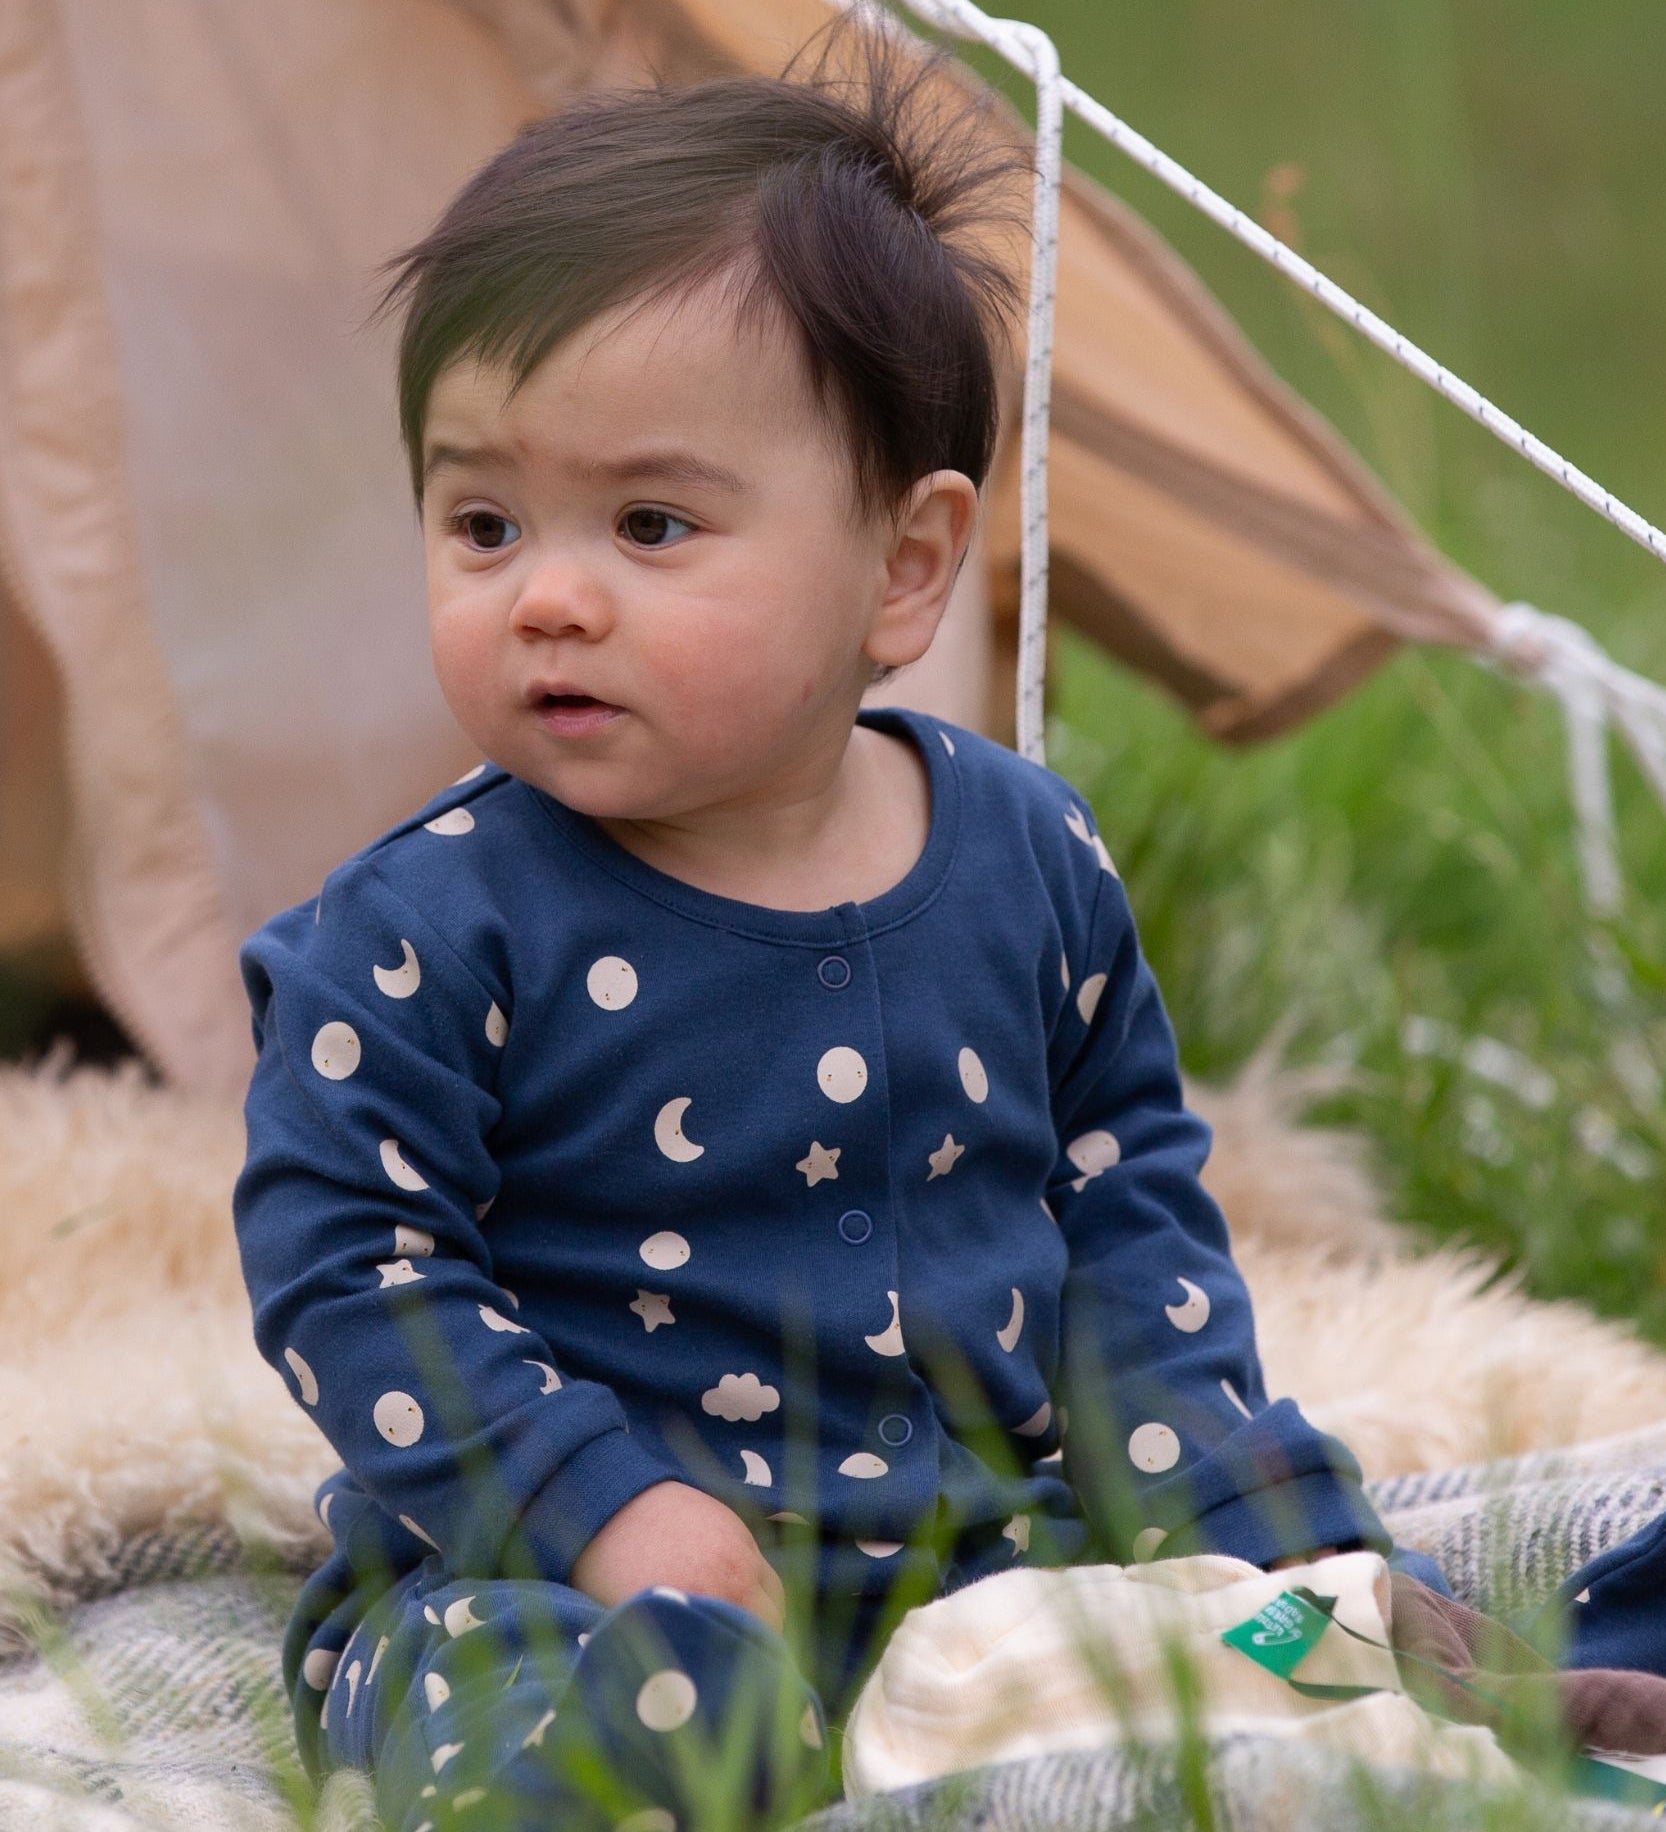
(819, 1163)
(653, 1307)
(942, 1160)
(398, 1272)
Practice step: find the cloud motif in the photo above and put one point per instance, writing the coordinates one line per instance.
(740, 1396)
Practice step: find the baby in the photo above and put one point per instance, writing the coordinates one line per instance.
(700, 1162)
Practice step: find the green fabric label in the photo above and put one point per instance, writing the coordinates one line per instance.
(1279, 1636)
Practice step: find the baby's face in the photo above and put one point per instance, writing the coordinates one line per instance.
(656, 522)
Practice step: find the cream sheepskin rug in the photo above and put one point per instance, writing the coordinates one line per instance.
(132, 1397)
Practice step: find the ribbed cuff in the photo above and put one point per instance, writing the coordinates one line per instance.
(576, 1503)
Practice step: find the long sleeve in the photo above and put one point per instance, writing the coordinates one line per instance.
(1172, 1441)
(359, 1221)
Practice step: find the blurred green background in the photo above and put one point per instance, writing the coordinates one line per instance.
(1399, 881)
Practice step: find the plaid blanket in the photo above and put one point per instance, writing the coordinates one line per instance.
(156, 1705)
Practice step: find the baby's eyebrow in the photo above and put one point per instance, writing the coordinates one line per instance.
(664, 467)
(673, 467)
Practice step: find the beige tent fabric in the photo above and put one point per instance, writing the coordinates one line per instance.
(215, 672)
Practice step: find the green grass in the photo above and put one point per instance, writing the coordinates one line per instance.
(1404, 870)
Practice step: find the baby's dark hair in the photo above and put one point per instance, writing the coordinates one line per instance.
(856, 201)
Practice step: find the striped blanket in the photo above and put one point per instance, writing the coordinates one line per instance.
(154, 1703)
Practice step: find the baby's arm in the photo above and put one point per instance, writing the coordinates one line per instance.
(1172, 1441)
(358, 1220)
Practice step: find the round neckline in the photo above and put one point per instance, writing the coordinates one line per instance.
(834, 923)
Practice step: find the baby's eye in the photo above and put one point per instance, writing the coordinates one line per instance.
(483, 529)
(652, 527)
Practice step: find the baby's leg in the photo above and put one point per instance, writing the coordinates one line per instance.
(506, 1704)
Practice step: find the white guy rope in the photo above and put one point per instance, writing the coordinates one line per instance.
(1549, 651)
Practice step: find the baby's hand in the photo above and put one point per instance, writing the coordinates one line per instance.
(676, 1534)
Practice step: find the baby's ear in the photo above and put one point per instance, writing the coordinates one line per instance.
(932, 533)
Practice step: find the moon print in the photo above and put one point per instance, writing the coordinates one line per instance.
(757, 1470)
(401, 981)
(411, 1527)
(382, 1644)
(1194, 1313)
(399, 1172)
(496, 1320)
(413, 1240)
(1018, 1531)
(1146, 1544)
(889, 1340)
(1154, 1448)
(497, 1027)
(353, 1673)
(304, 1376)
(1087, 996)
(319, 1667)
(469, 775)
(948, 742)
(324, 1508)
(335, 1051)
(435, 1689)
(667, 1699)
(611, 982)
(552, 1380)
(841, 1074)
(809, 1731)
(1053, 1456)
(1231, 1393)
(865, 1464)
(1037, 1422)
(443, 1755)
(791, 1519)
(1064, 970)
(1077, 822)
(1092, 1153)
(460, 1617)
(879, 1548)
(973, 1077)
(665, 1251)
(1105, 863)
(453, 821)
(1007, 1336)
(398, 1272)
(669, 1135)
(399, 1418)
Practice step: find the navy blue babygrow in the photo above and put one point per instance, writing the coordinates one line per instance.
(565, 1177)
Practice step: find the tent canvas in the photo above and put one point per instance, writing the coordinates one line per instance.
(214, 680)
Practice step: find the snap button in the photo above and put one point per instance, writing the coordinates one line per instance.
(834, 971)
(856, 1225)
(895, 1429)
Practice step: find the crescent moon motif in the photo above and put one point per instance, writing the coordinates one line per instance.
(1008, 1335)
(552, 1380)
(1194, 1313)
(889, 1340)
(305, 1378)
(669, 1135)
(1037, 1422)
(864, 1463)
(453, 821)
(401, 981)
(399, 1172)
(757, 1470)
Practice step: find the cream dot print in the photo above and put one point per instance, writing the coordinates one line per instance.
(863, 1464)
(665, 1251)
(497, 1026)
(841, 1074)
(460, 1617)
(319, 1667)
(1037, 1422)
(453, 822)
(1153, 1448)
(411, 1526)
(401, 981)
(335, 1050)
(667, 1699)
(1087, 996)
(973, 1076)
(399, 1418)
(1007, 1335)
(305, 1379)
(435, 1689)
(611, 982)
